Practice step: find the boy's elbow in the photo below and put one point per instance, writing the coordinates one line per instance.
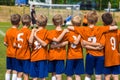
(44, 45)
(5, 44)
(56, 40)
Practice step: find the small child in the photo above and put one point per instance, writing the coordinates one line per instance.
(39, 66)
(74, 63)
(112, 57)
(57, 55)
(23, 49)
(11, 50)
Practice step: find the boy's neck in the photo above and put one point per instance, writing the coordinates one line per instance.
(25, 26)
(39, 28)
(58, 28)
(14, 26)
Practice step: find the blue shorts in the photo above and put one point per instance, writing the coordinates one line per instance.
(112, 70)
(23, 66)
(56, 66)
(11, 63)
(94, 63)
(39, 69)
(75, 66)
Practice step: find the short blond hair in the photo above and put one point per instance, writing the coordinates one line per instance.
(76, 20)
(41, 20)
(57, 20)
(92, 17)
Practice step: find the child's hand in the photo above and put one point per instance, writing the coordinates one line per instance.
(66, 30)
(79, 37)
(99, 48)
(34, 30)
(70, 27)
(52, 46)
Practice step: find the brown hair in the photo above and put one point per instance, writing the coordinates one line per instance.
(15, 19)
(76, 20)
(26, 19)
(107, 18)
(92, 17)
(57, 20)
(41, 20)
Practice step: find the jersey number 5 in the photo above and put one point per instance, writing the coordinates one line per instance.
(19, 39)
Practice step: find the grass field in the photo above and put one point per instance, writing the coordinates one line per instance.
(3, 27)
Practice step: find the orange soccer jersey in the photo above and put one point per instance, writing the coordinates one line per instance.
(56, 53)
(112, 56)
(39, 52)
(74, 51)
(9, 39)
(22, 41)
(93, 35)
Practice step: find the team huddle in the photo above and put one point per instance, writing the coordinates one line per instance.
(36, 53)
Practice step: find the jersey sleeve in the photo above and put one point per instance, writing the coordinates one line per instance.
(5, 38)
(80, 30)
(104, 29)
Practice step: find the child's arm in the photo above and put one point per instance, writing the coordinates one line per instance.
(113, 28)
(32, 36)
(71, 28)
(84, 43)
(93, 48)
(77, 40)
(5, 44)
(58, 39)
(43, 43)
(59, 45)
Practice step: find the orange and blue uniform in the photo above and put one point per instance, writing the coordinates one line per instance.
(74, 63)
(23, 50)
(56, 56)
(39, 67)
(112, 57)
(11, 50)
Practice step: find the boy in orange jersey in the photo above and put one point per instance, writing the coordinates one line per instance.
(39, 67)
(23, 50)
(94, 58)
(74, 63)
(11, 50)
(112, 57)
(57, 55)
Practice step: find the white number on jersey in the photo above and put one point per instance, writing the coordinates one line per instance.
(20, 39)
(113, 43)
(74, 45)
(37, 45)
(92, 39)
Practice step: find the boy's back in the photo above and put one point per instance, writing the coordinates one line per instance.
(111, 49)
(9, 39)
(39, 52)
(56, 53)
(23, 51)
